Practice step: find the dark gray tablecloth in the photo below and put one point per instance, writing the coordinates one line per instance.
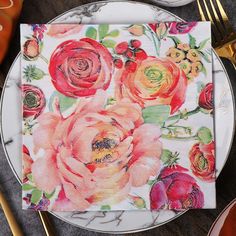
(194, 222)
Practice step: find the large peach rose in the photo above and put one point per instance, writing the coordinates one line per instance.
(155, 81)
(95, 154)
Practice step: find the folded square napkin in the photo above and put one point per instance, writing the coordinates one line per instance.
(117, 117)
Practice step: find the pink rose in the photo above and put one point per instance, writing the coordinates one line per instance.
(176, 190)
(153, 81)
(95, 154)
(181, 27)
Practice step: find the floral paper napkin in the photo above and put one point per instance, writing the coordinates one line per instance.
(117, 117)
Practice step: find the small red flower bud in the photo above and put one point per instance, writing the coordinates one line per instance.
(121, 48)
(129, 53)
(130, 66)
(140, 54)
(31, 49)
(118, 63)
(135, 43)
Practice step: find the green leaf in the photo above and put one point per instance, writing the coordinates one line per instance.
(31, 72)
(91, 32)
(203, 44)
(166, 155)
(200, 86)
(111, 101)
(30, 177)
(204, 71)
(49, 195)
(204, 111)
(204, 135)
(192, 41)
(205, 56)
(175, 39)
(156, 114)
(103, 30)
(36, 196)
(113, 33)
(151, 182)
(105, 208)
(169, 158)
(108, 43)
(27, 187)
(64, 101)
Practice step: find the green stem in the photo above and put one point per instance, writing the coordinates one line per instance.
(180, 116)
(177, 126)
(166, 136)
(43, 58)
(154, 39)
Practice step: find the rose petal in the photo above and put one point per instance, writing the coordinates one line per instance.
(171, 170)
(45, 172)
(142, 169)
(158, 197)
(179, 190)
(74, 196)
(63, 30)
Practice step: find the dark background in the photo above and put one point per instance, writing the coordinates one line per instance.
(194, 222)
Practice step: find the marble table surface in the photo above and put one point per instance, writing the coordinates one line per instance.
(194, 222)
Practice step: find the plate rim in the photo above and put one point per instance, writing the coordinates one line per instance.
(219, 216)
(51, 21)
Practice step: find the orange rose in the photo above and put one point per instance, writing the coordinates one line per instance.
(154, 82)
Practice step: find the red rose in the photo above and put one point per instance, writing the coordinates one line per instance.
(176, 190)
(202, 158)
(31, 49)
(206, 97)
(79, 68)
(151, 82)
(181, 27)
(33, 100)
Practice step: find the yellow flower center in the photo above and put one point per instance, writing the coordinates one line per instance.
(156, 77)
(200, 162)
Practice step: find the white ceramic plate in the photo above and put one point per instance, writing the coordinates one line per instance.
(218, 223)
(173, 3)
(115, 12)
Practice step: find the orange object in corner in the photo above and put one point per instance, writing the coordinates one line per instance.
(9, 13)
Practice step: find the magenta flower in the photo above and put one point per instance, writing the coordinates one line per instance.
(181, 27)
(175, 190)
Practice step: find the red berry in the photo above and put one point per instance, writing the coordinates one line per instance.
(129, 53)
(130, 66)
(135, 43)
(118, 63)
(140, 54)
(121, 48)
